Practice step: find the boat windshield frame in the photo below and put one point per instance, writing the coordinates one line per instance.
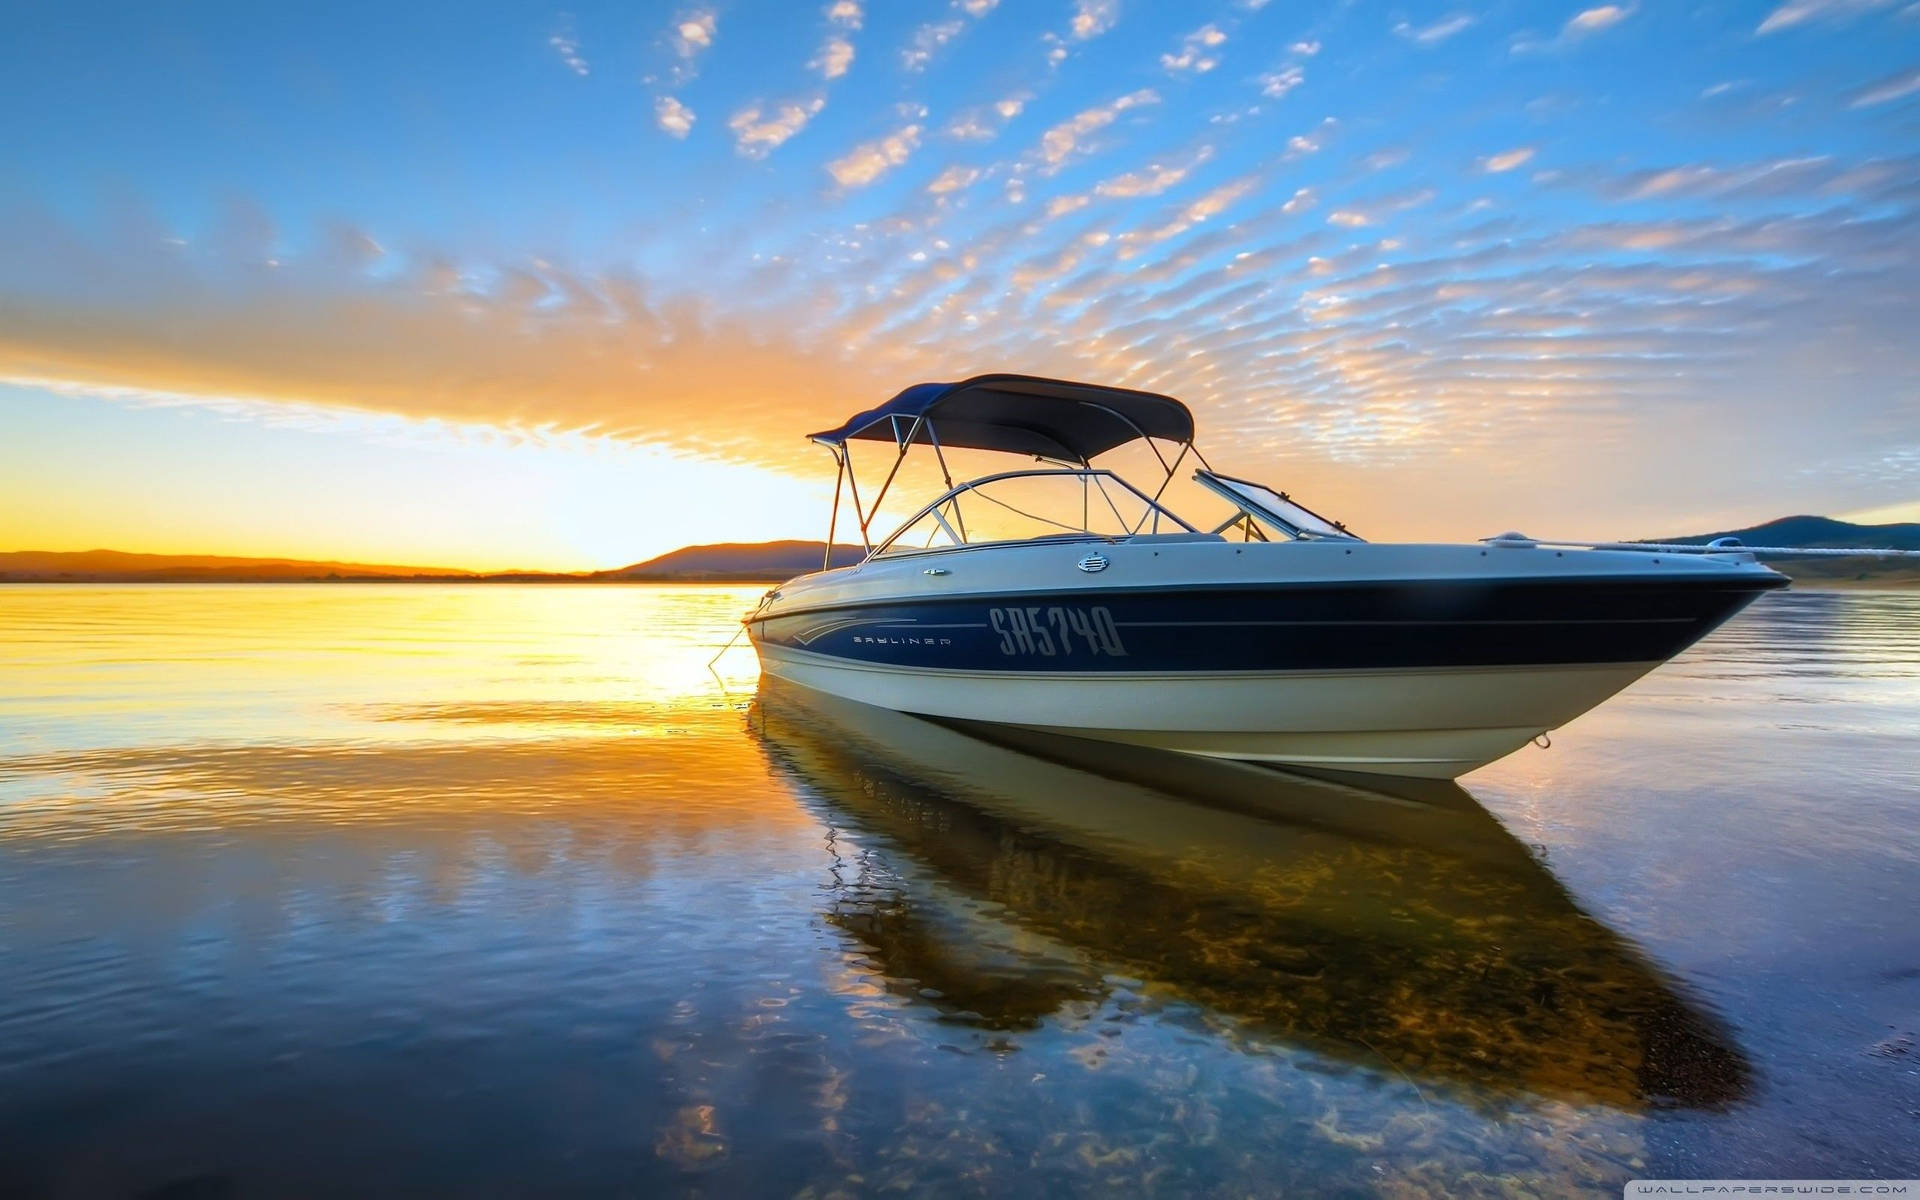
(960, 542)
(1251, 505)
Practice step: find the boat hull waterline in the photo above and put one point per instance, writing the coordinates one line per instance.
(1432, 678)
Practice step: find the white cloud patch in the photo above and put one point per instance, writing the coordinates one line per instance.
(927, 39)
(1198, 52)
(1507, 160)
(834, 57)
(1802, 12)
(954, 179)
(1199, 211)
(870, 160)
(758, 131)
(984, 123)
(1152, 179)
(1064, 140)
(930, 37)
(1434, 34)
(1091, 18)
(1593, 20)
(693, 32)
(1278, 83)
(566, 44)
(673, 117)
(1582, 24)
(1893, 87)
(1304, 49)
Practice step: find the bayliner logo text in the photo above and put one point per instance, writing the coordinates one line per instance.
(1056, 631)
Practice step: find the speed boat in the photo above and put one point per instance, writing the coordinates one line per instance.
(1063, 598)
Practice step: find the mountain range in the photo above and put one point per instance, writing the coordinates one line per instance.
(773, 562)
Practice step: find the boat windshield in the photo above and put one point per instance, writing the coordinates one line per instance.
(1271, 509)
(1065, 504)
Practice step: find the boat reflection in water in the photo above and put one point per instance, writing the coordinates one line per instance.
(1009, 883)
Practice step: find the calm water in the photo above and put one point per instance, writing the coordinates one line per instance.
(495, 890)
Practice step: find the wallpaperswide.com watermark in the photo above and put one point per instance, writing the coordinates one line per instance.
(1772, 1187)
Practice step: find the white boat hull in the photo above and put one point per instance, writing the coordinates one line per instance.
(1433, 723)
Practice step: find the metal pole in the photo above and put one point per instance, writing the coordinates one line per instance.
(853, 489)
(833, 521)
(912, 432)
(933, 435)
(1161, 490)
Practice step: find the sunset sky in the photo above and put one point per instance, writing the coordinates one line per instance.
(491, 286)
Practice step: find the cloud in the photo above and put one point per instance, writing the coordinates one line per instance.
(1197, 51)
(1801, 12)
(672, 116)
(870, 160)
(1507, 160)
(1893, 87)
(928, 38)
(693, 32)
(514, 346)
(984, 123)
(758, 133)
(1152, 179)
(1278, 83)
(567, 46)
(1711, 289)
(1439, 31)
(1582, 24)
(834, 57)
(1063, 141)
(1593, 20)
(1207, 207)
(953, 179)
(846, 13)
(1091, 18)
(1304, 49)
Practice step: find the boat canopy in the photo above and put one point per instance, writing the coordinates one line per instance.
(1019, 414)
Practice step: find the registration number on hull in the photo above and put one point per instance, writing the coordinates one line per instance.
(1056, 631)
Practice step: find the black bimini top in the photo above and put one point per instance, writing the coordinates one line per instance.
(1020, 414)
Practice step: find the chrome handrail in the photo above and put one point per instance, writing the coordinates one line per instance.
(1080, 472)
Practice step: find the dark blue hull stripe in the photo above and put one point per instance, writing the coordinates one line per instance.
(1276, 628)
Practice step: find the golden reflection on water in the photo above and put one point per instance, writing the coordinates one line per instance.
(1410, 929)
(678, 930)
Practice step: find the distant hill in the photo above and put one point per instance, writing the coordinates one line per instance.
(738, 562)
(776, 562)
(117, 566)
(752, 562)
(1824, 532)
